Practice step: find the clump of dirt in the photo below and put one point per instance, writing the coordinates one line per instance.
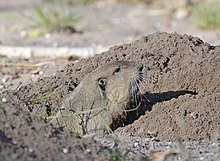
(24, 136)
(181, 88)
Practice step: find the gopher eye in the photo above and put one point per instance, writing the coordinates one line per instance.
(102, 83)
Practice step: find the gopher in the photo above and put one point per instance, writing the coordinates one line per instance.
(99, 102)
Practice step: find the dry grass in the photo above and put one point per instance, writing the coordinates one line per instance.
(206, 14)
(52, 17)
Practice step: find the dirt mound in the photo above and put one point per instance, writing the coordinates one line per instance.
(181, 87)
(27, 137)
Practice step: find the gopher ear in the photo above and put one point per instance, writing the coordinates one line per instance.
(117, 69)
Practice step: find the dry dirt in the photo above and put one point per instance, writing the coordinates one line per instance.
(181, 91)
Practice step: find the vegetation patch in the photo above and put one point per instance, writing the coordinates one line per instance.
(206, 14)
(53, 16)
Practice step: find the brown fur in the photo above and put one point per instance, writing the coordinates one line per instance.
(101, 98)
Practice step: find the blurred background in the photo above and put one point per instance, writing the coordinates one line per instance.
(83, 23)
(39, 37)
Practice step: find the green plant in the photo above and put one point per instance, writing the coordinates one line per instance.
(90, 113)
(115, 154)
(49, 101)
(206, 14)
(53, 16)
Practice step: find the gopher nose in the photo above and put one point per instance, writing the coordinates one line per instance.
(140, 67)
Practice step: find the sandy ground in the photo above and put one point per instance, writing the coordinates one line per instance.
(181, 89)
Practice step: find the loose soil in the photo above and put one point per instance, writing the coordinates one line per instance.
(181, 99)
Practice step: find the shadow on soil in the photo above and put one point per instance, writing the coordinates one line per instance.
(149, 99)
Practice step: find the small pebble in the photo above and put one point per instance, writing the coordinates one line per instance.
(88, 150)
(14, 142)
(65, 150)
(30, 150)
(1, 87)
(47, 35)
(41, 72)
(201, 158)
(23, 33)
(135, 144)
(4, 100)
(4, 80)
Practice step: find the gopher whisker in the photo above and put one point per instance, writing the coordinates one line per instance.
(145, 98)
